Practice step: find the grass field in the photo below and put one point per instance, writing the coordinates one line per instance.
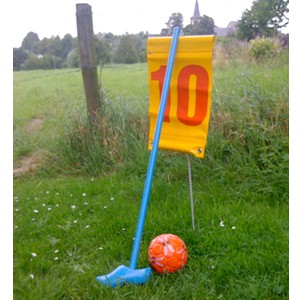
(75, 210)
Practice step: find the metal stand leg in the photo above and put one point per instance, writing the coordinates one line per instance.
(191, 191)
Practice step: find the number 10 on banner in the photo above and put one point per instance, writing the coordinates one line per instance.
(187, 112)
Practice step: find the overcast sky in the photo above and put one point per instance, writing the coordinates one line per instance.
(57, 17)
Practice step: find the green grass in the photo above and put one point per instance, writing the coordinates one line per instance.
(78, 212)
(91, 234)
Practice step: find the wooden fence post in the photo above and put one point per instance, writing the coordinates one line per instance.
(86, 45)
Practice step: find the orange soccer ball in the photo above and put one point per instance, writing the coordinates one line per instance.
(167, 253)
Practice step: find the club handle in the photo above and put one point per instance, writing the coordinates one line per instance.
(153, 154)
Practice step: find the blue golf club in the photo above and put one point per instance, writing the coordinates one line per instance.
(124, 274)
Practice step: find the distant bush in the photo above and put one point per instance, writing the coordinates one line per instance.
(263, 48)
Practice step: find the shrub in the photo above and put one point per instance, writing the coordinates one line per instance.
(263, 48)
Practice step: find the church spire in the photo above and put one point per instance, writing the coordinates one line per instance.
(196, 10)
(196, 17)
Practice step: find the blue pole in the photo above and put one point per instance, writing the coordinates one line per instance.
(153, 154)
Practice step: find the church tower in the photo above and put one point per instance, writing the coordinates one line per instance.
(196, 17)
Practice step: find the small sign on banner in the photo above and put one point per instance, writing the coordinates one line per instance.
(187, 113)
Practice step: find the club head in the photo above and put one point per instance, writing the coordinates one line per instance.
(123, 274)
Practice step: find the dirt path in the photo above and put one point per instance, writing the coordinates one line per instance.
(34, 125)
(29, 163)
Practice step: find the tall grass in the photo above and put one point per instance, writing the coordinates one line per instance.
(116, 136)
(249, 123)
(248, 129)
(228, 50)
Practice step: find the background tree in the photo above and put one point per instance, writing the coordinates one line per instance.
(263, 19)
(30, 42)
(205, 26)
(19, 57)
(103, 52)
(66, 45)
(55, 52)
(42, 46)
(279, 18)
(126, 52)
(140, 42)
(164, 32)
(176, 19)
(54, 46)
(73, 60)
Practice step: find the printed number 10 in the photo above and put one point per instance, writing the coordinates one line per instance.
(183, 92)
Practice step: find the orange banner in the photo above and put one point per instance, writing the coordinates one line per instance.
(187, 113)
